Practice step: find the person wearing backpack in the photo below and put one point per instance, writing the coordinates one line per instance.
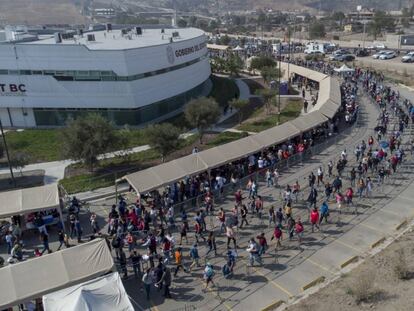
(208, 275)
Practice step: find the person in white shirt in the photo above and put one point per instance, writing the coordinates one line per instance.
(260, 163)
(253, 250)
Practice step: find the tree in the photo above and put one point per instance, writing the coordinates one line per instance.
(224, 40)
(268, 74)
(18, 160)
(268, 96)
(261, 61)
(239, 105)
(380, 22)
(202, 113)
(406, 17)
(317, 30)
(87, 137)
(338, 17)
(163, 137)
(234, 64)
(182, 23)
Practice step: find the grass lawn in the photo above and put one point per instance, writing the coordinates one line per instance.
(38, 145)
(44, 145)
(290, 112)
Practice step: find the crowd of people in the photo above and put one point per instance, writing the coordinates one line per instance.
(158, 241)
(162, 235)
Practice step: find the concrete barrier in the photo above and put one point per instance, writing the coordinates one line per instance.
(320, 279)
(349, 261)
(273, 305)
(375, 244)
(402, 224)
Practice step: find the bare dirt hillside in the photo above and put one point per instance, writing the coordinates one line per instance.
(34, 12)
(384, 282)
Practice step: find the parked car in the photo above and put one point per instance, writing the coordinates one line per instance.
(340, 52)
(408, 58)
(388, 55)
(347, 58)
(342, 57)
(362, 52)
(378, 54)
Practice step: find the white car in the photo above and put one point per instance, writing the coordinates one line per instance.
(378, 54)
(388, 55)
(380, 46)
(408, 58)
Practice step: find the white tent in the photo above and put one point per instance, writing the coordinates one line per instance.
(39, 276)
(344, 68)
(106, 293)
(238, 48)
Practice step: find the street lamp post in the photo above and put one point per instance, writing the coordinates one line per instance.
(7, 153)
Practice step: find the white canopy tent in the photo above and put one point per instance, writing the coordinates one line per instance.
(33, 278)
(28, 200)
(106, 293)
(344, 68)
(238, 48)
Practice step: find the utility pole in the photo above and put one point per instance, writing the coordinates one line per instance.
(278, 91)
(7, 153)
(363, 36)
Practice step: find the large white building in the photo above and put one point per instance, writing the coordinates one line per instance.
(131, 76)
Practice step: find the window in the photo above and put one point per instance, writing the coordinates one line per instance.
(96, 75)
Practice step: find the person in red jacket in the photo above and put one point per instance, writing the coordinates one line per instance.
(278, 235)
(314, 218)
(262, 243)
(299, 230)
(349, 195)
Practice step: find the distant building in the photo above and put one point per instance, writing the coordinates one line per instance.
(348, 28)
(104, 12)
(364, 15)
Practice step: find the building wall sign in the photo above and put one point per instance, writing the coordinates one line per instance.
(190, 50)
(12, 89)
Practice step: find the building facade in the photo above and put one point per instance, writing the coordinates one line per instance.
(131, 76)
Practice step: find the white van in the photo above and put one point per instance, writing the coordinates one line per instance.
(314, 48)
